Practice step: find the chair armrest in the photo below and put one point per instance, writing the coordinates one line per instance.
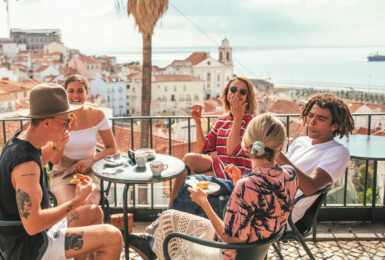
(221, 245)
(8, 223)
(321, 191)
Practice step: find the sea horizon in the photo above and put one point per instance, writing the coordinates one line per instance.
(309, 66)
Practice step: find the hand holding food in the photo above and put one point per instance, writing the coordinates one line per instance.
(82, 178)
(233, 172)
(196, 111)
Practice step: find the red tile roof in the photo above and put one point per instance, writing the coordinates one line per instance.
(6, 97)
(42, 68)
(197, 57)
(88, 60)
(285, 107)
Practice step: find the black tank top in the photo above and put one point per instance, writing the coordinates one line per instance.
(15, 240)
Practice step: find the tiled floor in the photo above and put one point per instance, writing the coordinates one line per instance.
(342, 242)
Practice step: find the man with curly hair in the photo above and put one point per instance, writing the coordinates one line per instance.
(318, 159)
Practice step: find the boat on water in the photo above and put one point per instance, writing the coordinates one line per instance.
(376, 57)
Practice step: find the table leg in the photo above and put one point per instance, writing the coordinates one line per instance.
(101, 195)
(374, 191)
(125, 218)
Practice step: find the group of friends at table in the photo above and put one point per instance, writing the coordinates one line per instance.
(258, 181)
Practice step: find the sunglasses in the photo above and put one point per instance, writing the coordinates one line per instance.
(242, 91)
(66, 122)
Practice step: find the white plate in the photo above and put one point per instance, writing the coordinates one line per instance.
(213, 187)
(150, 152)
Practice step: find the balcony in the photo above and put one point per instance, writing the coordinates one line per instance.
(350, 200)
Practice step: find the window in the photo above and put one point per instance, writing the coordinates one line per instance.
(9, 105)
(208, 63)
(196, 98)
(127, 86)
(184, 87)
(219, 77)
(172, 97)
(165, 88)
(174, 88)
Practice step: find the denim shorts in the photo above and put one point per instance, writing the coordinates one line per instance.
(217, 200)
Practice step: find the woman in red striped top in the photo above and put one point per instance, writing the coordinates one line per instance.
(225, 137)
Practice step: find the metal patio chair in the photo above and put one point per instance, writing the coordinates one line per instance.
(305, 226)
(255, 250)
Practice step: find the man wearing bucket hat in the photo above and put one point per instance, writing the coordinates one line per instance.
(24, 196)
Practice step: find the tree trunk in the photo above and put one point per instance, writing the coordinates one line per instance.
(146, 89)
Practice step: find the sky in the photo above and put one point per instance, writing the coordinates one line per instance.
(96, 24)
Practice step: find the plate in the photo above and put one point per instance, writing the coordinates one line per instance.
(213, 187)
(150, 153)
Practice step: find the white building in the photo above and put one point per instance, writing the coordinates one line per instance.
(10, 49)
(113, 90)
(170, 94)
(214, 72)
(57, 47)
(45, 71)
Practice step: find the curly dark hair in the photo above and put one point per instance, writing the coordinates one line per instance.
(338, 109)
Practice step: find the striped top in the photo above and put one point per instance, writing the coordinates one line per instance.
(216, 140)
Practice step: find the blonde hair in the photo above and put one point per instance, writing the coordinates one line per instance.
(264, 135)
(251, 100)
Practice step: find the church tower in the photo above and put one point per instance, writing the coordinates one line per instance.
(225, 53)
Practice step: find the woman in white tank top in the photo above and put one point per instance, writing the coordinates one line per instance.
(76, 151)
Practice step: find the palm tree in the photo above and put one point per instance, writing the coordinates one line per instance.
(146, 14)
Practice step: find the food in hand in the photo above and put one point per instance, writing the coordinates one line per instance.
(204, 185)
(81, 177)
(198, 107)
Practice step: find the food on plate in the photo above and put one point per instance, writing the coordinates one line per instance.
(81, 177)
(204, 185)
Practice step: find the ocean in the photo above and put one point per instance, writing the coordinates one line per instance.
(322, 67)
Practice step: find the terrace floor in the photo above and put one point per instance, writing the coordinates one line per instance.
(350, 240)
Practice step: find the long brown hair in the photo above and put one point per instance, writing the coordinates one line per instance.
(251, 100)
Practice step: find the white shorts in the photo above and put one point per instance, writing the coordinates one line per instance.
(56, 239)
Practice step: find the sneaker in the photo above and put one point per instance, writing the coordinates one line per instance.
(141, 244)
(150, 229)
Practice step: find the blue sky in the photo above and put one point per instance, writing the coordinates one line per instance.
(95, 24)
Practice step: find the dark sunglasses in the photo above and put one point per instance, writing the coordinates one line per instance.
(242, 91)
(66, 122)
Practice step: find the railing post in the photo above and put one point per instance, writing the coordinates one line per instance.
(132, 133)
(374, 191)
(189, 133)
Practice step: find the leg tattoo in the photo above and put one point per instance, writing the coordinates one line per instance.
(74, 241)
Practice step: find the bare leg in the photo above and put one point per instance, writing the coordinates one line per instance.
(198, 163)
(64, 193)
(83, 240)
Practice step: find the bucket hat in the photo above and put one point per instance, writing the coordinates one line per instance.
(48, 100)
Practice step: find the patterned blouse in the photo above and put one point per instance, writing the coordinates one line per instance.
(260, 204)
(216, 140)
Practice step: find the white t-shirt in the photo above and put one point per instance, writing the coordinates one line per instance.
(332, 157)
(82, 142)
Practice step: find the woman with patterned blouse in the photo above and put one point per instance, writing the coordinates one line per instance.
(258, 207)
(225, 137)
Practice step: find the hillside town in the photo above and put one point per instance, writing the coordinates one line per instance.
(30, 57)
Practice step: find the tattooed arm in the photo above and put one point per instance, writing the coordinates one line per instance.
(25, 180)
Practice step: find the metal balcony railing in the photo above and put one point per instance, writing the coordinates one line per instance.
(349, 200)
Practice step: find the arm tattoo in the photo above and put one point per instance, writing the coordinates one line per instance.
(24, 203)
(74, 241)
(73, 216)
(69, 208)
